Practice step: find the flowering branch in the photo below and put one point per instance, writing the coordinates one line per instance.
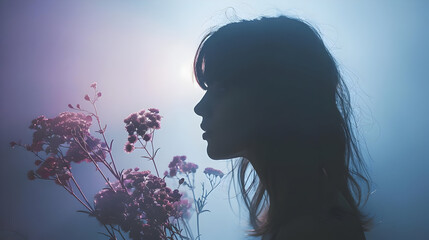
(136, 202)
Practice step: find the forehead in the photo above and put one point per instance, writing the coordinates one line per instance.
(221, 74)
(222, 81)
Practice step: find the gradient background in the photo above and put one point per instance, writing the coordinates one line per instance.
(141, 52)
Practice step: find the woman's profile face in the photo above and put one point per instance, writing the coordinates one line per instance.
(228, 120)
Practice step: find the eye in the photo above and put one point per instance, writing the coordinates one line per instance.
(218, 89)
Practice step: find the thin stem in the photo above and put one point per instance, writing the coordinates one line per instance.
(151, 140)
(37, 155)
(74, 195)
(213, 187)
(96, 165)
(80, 190)
(153, 151)
(112, 235)
(118, 229)
(185, 224)
(120, 233)
(113, 231)
(150, 156)
(196, 206)
(109, 150)
(116, 175)
(105, 163)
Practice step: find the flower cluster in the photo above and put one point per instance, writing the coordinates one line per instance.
(138, 124)
(215, 172)
(143, 208)
(178, 164)
(68, 131)
(51, 133)
(52, 167)
(91, 149)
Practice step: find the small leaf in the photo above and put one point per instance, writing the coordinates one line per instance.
(111, 142)
(155, 152)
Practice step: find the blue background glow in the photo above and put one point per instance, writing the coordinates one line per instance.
(141, 52)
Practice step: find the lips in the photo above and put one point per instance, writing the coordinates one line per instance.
(203, 127)
(206, 135)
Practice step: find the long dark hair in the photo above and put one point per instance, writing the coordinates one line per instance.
(285, 58)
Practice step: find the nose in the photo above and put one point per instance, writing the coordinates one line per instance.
(200, 109)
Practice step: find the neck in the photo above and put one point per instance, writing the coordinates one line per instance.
(295, 182)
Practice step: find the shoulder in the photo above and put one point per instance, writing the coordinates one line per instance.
(311, 227)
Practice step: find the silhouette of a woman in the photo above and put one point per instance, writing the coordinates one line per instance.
(276, 99)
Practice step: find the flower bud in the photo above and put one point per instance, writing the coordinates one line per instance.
(31, 175)
(147, 137)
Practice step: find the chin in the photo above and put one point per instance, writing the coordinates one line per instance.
(220, 153)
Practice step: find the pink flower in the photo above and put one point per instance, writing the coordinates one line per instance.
(132, 138)
(52, 166)
(189, 167)
(147, 137)
(178, 164)
(153, 110)
(59, 130)
(94, 85)
(129, 147)
(173, 172)
(130, 129)
(87, 98)
(147, 201)
(111, 206)
(141, 129)
(211, 171)
(183, 207)
(140, 122)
